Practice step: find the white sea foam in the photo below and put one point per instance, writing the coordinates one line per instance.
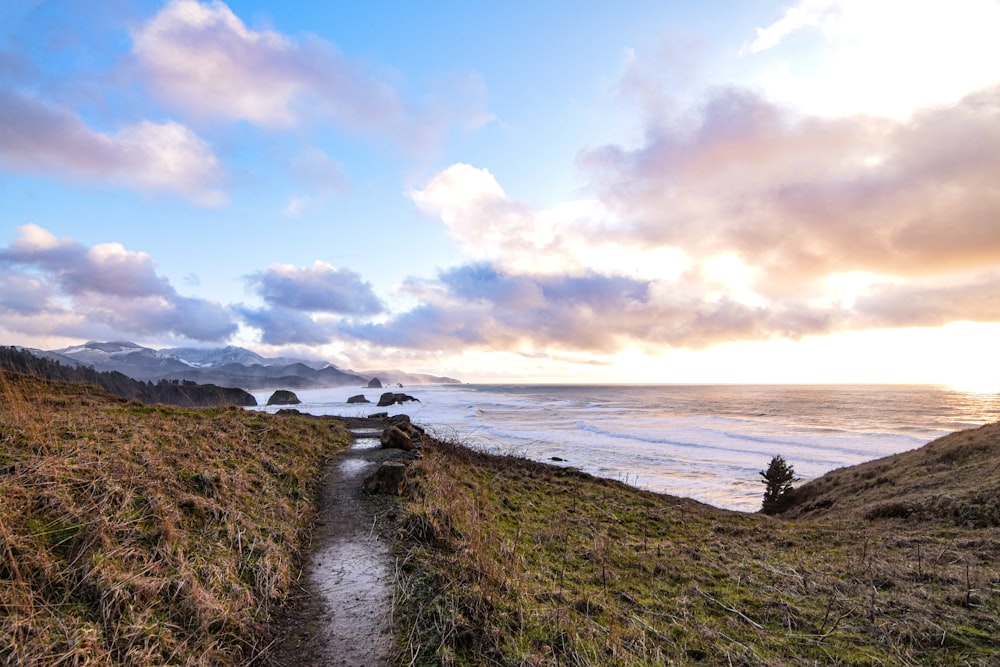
(703, 442)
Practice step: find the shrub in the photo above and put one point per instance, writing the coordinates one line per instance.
(778, 479)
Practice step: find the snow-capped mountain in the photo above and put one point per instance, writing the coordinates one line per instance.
(208, 357)
(135, 361)
(231, 354)
(229, 366)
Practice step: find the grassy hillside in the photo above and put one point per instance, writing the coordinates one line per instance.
(145, 535)
(955, 479)
(511, 562)
(141, 535)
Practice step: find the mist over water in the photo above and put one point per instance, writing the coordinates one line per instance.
(699, 441)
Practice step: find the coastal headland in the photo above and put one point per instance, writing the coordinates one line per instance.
(143, 534)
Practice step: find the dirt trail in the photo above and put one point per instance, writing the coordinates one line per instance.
(342, 614)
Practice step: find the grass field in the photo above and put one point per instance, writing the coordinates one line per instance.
(140, 535)
(510, 562)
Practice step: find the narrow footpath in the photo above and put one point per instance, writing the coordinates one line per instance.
(342, 612)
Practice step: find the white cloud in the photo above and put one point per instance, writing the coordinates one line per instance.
(170, 156)
(68, 289)
(201, 58)
(159, 157)
(295, 206)
(806, 14)
(574, 237)
(888, 57)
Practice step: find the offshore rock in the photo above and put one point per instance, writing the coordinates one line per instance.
(375, 383)
(360, 398)
(283, 397)
(391, 398)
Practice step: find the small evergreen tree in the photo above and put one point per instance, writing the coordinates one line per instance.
(778, 478)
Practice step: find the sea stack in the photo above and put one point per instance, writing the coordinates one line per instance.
(283, 397)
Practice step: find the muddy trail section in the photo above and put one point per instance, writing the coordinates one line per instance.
(341, 612)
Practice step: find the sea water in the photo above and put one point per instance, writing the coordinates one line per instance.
(704, 442)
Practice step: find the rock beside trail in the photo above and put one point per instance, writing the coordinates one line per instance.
(374, 383)
(360, 398)
(392, 398)
(394, 438)
(389, 478)
(283, 397)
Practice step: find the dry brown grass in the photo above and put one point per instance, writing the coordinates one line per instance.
(510, 562)
(140, 535)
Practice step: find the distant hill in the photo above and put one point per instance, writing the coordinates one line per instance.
(229, 366)
(390, 377)
(955, 479)
(183, 394)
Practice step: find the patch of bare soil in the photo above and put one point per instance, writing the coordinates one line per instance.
(342, 613)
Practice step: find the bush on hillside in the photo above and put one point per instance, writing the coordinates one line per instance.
(778, 479)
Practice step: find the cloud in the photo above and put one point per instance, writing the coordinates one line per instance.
(320, 173)
(739, 220)
(573, 237)
(76, 290)
(805, 14)
(317, 288)
(889, 57)
(159, 157)
(320, 176)
(284, 326)
(481, 306)
(24, 294)
(800, 198)
(931, 304)
(301, 302)
(202, 58)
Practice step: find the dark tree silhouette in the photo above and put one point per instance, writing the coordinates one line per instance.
(164, 391)
(778, 477)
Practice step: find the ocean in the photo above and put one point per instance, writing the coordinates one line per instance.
(698, 441)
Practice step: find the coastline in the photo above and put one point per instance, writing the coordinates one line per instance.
(706, 442)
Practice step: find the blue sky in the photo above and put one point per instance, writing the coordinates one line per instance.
(617, 192)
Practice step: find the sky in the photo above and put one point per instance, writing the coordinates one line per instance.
(631, 192)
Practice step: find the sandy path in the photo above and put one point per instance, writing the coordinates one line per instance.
(342, 614)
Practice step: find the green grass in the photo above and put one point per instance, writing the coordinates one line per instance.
(512, 562)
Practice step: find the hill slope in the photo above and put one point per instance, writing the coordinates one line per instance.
(147, 535)
(183, 394)
(512, 562)
(954, 479)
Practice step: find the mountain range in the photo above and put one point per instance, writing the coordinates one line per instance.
(229, 366)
